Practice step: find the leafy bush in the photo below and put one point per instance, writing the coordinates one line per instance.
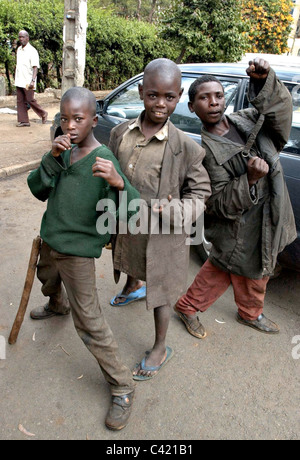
(118, 48)
(270, 25)
(205, 30)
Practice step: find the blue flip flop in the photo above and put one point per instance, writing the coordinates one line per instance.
(155, 369)
(135, 295)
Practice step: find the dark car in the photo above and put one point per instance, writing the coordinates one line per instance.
(124, 103)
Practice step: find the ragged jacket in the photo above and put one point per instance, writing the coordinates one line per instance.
(249, 228)
(184, 178)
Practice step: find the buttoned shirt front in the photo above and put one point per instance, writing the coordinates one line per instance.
(27, 58)
(141, 159)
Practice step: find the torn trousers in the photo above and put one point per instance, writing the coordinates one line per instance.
(211, 282)
(70, 283)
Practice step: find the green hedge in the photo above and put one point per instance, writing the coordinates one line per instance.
(117, 49)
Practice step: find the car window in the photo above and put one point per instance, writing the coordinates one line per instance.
(127, 104)
(189, 122)
(293, 144)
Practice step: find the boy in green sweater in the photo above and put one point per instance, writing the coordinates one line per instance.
(74, 176)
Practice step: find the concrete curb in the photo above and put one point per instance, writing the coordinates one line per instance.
(18, 169)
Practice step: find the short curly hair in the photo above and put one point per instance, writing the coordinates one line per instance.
(198, 82)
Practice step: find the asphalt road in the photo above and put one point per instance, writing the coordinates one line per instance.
(235, 384)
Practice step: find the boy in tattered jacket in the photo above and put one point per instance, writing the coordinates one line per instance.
(165, 166)
(249, 219)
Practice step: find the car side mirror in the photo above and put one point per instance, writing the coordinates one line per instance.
(100, 107)
(296, 99)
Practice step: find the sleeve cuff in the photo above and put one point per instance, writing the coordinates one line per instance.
(258, 91)
(250, 195)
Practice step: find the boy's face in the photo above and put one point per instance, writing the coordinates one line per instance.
(77, 120)
(160, 95)
(209, 103)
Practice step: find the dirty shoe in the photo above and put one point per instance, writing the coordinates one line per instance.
(262, 324)
(45, 313)
(22, 124)
(119, 411)
(192, 324)
(45, 118)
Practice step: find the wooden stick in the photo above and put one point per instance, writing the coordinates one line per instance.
(36, 246)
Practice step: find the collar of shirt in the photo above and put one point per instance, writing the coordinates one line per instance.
(161, 135)
(25, 48)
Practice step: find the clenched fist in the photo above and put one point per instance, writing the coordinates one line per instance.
(257, 168)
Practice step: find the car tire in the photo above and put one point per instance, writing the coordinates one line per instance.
(201, 251)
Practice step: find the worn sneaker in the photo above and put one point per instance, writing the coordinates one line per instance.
(192, 324)
(22, 124)
(45, 118)
(119, 411)
(45, 312)
(262, 324)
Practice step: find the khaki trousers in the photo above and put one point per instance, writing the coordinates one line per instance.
(80, 294)
(211, 282)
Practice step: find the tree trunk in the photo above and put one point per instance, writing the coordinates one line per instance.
(152, 11)
(8, 77)
(138, 13)
(180, 57)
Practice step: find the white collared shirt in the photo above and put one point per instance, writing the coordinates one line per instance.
(27, 58)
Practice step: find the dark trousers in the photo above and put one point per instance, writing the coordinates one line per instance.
(78, 277)
(25, 97)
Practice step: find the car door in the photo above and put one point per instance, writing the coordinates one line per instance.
(290, 161)
(290, 157)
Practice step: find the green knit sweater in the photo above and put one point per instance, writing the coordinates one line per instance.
(69, 223)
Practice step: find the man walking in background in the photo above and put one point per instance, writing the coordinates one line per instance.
(25, 81)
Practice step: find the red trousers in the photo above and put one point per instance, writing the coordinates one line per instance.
(25, 97)
(211, 283)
